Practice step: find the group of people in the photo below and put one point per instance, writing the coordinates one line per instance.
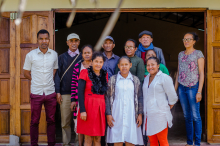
(133, 94)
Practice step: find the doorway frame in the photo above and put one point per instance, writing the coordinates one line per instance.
(103, 10)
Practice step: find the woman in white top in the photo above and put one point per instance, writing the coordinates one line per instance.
(159, 97)
(124, 107)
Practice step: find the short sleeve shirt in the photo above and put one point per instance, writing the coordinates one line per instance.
(41, 66)
(188, 68)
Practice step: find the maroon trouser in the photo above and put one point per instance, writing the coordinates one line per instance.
(49, 102)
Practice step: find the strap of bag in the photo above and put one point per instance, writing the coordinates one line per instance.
(69, 67)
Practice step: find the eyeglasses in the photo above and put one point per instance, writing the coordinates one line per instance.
(187, 40)
(129, 47)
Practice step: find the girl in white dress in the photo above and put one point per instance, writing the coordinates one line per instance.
(124, 107)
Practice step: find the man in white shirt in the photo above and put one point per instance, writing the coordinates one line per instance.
(40, 67)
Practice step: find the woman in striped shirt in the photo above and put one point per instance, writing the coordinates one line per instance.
(87, 51)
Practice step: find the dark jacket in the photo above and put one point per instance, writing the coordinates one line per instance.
(138, 96)
(64, 61)
(159, 53)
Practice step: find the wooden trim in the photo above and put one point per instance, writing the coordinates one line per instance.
(4, 139)
(210, 86)
(5, 107)
(28, 45)
(50, 29)
(5, 46)
(216, 75)
(28, 107)
(205, 80)
(215, 139)
(6, 76)
(91, 10)
(25, 107)
(18, 81)
(26, 138)
(12, 79)
(53, 29)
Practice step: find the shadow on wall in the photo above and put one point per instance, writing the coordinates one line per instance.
(167, 36)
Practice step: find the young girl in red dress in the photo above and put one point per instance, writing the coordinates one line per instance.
(92, 86)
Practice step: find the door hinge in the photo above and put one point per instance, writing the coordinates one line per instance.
(13, 16)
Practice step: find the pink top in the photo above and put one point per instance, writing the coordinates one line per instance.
(188, 68)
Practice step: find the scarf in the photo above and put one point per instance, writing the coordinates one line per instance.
(142, 49)
(99, 83)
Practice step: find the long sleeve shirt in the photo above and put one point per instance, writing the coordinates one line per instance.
(157, 98)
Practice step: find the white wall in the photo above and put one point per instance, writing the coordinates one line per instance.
(47, 5)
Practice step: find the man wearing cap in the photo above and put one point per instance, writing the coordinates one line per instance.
(110, 64)
(66, 62)
(111, 59)
(146, 39)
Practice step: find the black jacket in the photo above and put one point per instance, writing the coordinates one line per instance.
(64, 61)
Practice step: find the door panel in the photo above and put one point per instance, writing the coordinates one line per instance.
(7, 77)
(213, 74)
(26, 40)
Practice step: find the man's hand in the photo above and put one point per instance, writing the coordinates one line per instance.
(110, 120)
(83, 116)
(59, 98)
(139, 120)
(73, 105)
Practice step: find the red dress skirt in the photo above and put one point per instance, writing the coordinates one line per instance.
(95, 109)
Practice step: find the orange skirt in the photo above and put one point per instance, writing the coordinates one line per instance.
(95, 122)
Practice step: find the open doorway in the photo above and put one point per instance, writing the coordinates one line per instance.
(168, 29)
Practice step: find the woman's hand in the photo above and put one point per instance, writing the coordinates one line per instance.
(198, 97)
(139, 120)
(73, 105)
(110, 120)
(83, 116)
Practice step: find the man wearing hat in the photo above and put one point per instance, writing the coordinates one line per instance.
(146, 39)
(111, 59)
(66, 62)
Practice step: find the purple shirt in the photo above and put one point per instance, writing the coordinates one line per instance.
(188, 68)
(110, 64)
(72, 54)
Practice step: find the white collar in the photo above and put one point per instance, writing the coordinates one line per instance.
(128, 77)
(39, 51)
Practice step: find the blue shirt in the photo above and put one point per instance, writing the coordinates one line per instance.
(110, 64)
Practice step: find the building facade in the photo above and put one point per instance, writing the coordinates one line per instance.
(17, 41)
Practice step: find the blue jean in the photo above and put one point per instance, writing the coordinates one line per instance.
(191, 111)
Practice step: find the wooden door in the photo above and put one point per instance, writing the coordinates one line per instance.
(26, 40)
(7, 78)
(213, 76)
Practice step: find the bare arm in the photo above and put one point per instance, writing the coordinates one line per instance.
(27, 74)
(176, 81)
(201, 63)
